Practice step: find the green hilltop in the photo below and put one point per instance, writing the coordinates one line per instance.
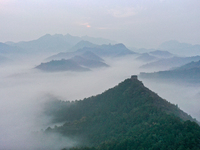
(128, 116)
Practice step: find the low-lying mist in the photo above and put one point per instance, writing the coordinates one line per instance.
(24, 91)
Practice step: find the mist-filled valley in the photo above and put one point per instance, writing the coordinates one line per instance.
(99, 75)
(26, 89)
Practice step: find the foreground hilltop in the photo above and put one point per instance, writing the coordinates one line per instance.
(128, 116)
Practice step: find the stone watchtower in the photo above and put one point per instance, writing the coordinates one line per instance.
(134, 77)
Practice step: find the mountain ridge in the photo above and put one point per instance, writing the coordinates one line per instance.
(169, 63)
(188, 73)
(128, 111)
(180, 48)
(55, 43)
(109, 50)
(61, 65)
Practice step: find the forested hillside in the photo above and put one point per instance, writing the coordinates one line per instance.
(128, 116)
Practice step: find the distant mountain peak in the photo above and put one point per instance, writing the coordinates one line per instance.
(182, 48)
(84, 42)
(191, 65)
(161, 53)
(121, 45)
(45, 36)
(145, 57)
(61, 65)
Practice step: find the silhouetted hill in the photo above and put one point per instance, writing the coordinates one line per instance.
(98, 41)
(68, 55)
(189, 73)
(166, 64)
(91, 56)
(100, 51)
(63, 55)
(154, 55)
(89, 63)
(128, 115)
(76, 62)
(6, 49)
(190, 65)
(161, 54)
(46, 43)
(55, 43)
(61, 65)
(82, 44)
(144, 50)
(109, 50)
(145, 57)
(180, 48)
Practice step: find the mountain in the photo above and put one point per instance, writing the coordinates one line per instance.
(63, 55)
(154, 55)
(116, 50)
(10, 53)
(4, 48)
(91, 56)
(128, 116)
(161, 54)
(98, 41)
(46, 43)
(55, 43)
(143, 50)
(189, 73)
(89, 63)
(76, 62)
(166, 64)
(61, 65)
(190, 65)
(109, 50)
(145, 57)
(7, 50)
(69, 55)
(180, 48)
(82, 44)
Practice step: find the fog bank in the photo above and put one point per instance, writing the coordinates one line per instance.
(24, 91)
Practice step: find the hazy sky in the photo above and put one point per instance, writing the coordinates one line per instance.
(143, 23)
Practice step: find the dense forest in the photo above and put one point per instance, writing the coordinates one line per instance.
(128, 116)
